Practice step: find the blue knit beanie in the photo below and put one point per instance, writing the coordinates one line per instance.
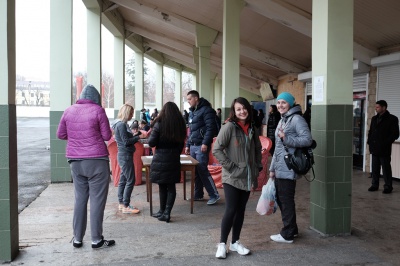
(287, 97)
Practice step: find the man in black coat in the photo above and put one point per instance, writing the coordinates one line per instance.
(203, 127)
(384, 130)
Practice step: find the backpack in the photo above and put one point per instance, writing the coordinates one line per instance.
(302, 160)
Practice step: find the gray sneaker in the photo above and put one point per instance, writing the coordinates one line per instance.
(214, 200)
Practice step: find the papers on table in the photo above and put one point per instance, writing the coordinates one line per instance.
(183, 156)
(149, 157)
(186, 161)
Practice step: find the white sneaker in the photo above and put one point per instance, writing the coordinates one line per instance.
(278, 238)
(242, 250)
(221, 251)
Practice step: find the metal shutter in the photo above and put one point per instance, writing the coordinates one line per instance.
(360, 82)
(389, 87)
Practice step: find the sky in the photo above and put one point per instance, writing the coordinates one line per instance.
(33, 40)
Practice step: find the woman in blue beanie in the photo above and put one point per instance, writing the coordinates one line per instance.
(293, 132)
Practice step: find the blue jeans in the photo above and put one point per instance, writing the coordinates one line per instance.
(127, 178)
(203, 177)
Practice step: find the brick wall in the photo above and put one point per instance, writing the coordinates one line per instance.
(290, 84)
(371, 100)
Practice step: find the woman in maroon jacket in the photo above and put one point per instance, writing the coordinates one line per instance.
(85, 126)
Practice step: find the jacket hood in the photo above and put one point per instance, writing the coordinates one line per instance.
(294, 110)
(91, 93)
(117, 121)
(202, 102)
(114, 123)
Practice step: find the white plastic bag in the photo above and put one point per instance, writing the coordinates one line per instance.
(266, 204)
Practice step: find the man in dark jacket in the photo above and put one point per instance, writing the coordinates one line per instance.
(203, 127)
(384, 130)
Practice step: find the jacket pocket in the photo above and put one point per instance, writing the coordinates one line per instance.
(239, 170)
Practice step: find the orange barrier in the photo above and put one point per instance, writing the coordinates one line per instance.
(137, 161)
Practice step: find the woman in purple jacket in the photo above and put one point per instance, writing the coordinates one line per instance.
(85, 126)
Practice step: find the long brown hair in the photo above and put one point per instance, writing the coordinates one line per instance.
(172, 124)
(246, 104)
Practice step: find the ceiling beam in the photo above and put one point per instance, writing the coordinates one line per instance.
(135, 42)
(266, 58)
(176, 44)
(188, 67)
(169, 51)
(162, 15)
(289, 16)
(300, 21)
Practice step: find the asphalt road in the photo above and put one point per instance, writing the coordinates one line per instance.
(33, 136)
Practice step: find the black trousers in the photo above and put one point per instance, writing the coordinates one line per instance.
(285, 190)
(377, 163)
(235, 207)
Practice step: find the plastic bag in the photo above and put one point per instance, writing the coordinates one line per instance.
(267, 204)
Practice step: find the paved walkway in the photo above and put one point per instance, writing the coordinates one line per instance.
(190, 239)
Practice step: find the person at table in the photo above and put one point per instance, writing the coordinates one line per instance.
(168, 137)
(85, 126)
(238, 149)
(144, 126)
(126, 147)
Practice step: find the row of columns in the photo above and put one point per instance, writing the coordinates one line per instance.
(330, 204)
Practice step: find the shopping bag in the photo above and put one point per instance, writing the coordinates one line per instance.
(267, 204)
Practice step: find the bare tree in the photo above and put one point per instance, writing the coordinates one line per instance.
(22, 87)
(38, 94)
(169, 85)
(130, 81)
(149, 86)
(108, 93)
(187, 81)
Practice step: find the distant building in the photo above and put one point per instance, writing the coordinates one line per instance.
(32, 93)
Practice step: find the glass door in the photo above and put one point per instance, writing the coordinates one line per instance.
(358, 130)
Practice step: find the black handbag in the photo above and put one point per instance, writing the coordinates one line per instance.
(302, 160)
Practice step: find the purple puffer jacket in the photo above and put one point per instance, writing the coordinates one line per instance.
(85, 126)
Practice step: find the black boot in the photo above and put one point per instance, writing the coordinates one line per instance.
(170, 203)
(162, 192)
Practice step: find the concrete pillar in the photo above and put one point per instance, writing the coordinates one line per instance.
(205, 37)
(217, 92)
(212, 90)
(231, 52)
(159, 86)
(94, 43)
(9, 228)
(139, 79)
(332, 113)
(196, 85)
(60, 83)
(119, 73)
(178, 89)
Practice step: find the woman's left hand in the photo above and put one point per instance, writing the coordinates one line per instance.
(281, 134)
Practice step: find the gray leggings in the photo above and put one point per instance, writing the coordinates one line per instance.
(91, 178)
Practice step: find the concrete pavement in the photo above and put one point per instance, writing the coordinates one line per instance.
(190, 239)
